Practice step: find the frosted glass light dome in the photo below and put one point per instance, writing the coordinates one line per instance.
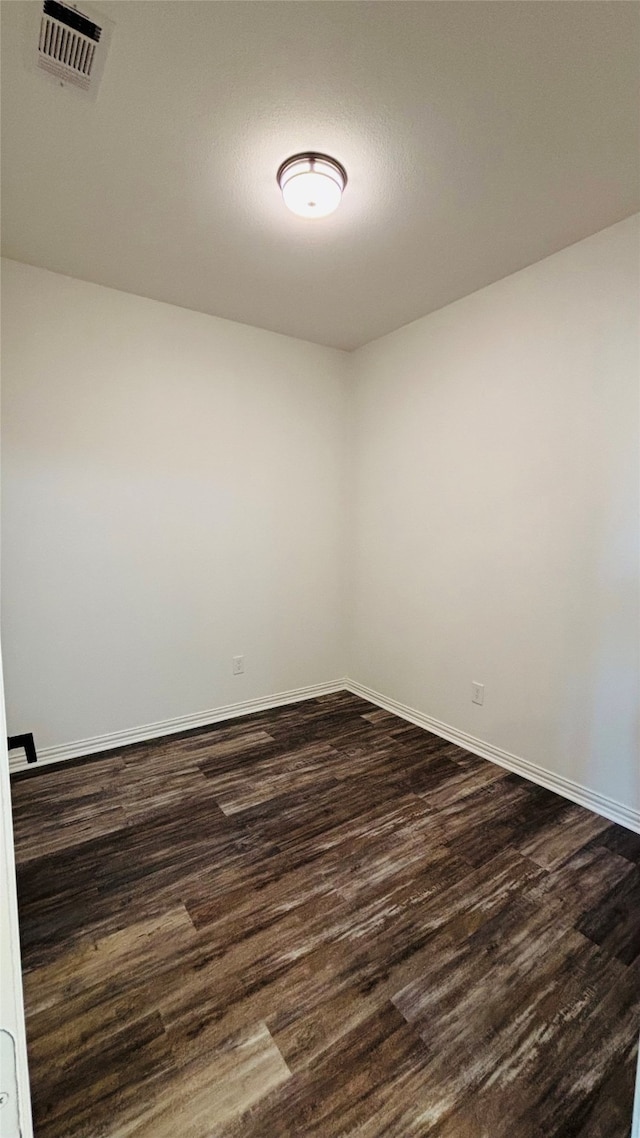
(312, 184)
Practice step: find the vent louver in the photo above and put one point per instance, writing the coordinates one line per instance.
(67, 43)
(72, 45)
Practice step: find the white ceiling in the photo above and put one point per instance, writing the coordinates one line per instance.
(478, 137)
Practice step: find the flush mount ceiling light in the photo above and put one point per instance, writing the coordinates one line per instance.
(312, 184)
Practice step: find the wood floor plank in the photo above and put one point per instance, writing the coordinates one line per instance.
(323, 921)
(622, 842)
(85, 1065)
(568, 833)
(353, 1083)
(284, 771)
(613, 923)
(197, 1100)
(132, 956)
(92, 806)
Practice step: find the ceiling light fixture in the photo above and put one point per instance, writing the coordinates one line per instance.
(312, 184)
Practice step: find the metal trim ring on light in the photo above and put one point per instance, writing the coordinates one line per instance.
(311, 162)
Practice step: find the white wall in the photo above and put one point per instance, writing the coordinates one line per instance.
(173, 495)
(496, 514)
(180, 489)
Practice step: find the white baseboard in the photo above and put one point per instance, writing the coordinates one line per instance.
(116, 739)
(574, 791)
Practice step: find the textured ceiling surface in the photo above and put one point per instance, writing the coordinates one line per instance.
(478, 137)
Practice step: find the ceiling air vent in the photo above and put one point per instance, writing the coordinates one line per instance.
(72, 45)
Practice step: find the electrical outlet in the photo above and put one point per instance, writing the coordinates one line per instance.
(238, 665)
(477, 693)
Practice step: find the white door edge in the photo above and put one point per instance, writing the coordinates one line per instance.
(15, 1108)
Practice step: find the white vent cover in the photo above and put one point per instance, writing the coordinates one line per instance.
(71, 44)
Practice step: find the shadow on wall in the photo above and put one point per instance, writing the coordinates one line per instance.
(607, 676)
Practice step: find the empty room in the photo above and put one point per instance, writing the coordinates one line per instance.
(320, 551)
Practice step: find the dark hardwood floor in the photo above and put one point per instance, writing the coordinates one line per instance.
(323, 921)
